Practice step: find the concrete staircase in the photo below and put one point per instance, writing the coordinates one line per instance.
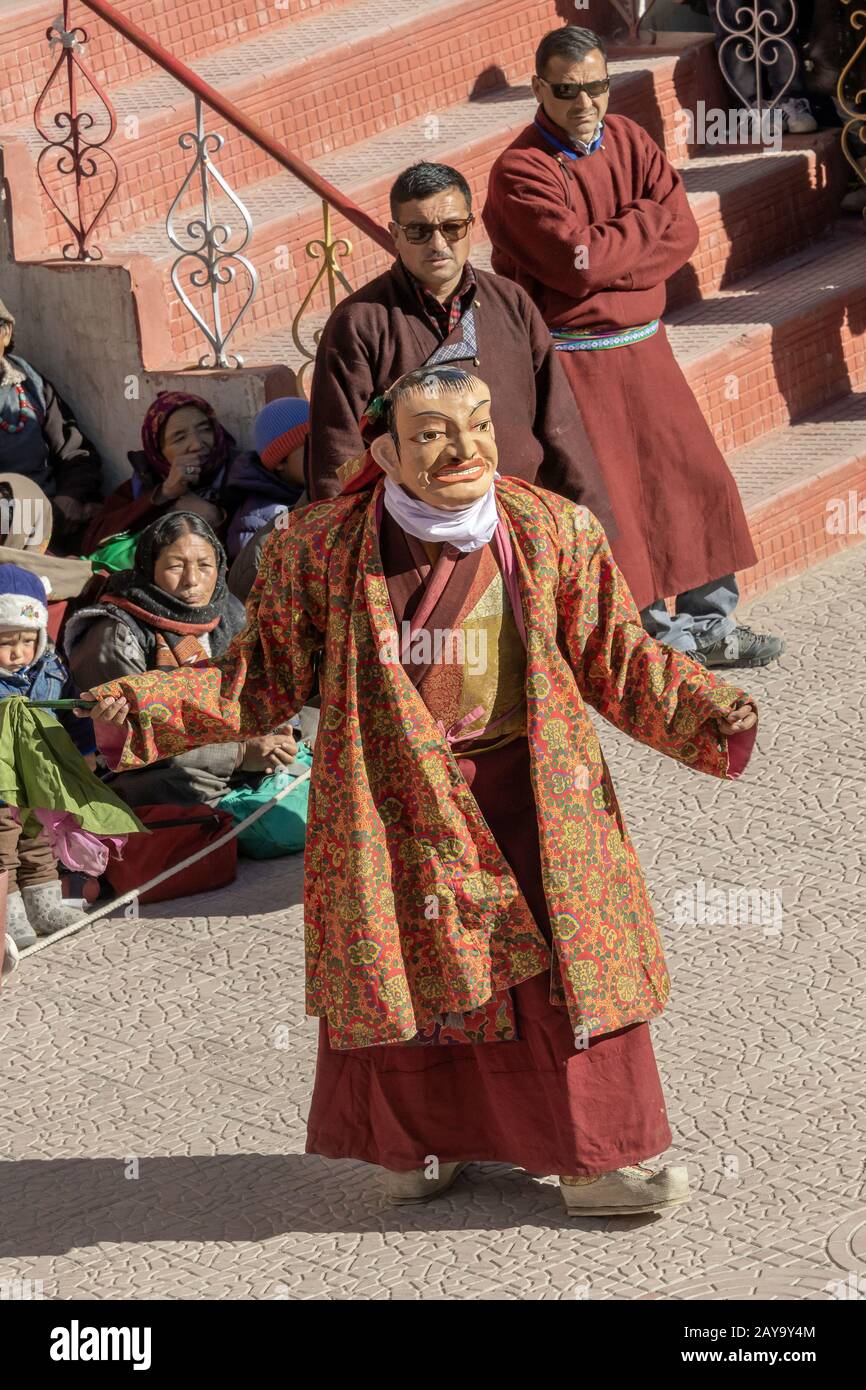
(767, 319)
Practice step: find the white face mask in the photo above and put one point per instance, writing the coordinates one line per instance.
(467, 529)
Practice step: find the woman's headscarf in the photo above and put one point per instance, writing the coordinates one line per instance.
(159, 412)
(136, 590)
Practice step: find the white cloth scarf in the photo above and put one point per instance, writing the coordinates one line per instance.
(467, 529)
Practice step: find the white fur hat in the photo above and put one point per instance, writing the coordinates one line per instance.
(24, 603)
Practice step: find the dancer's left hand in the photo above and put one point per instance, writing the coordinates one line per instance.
(741, 717)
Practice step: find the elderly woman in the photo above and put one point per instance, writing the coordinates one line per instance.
(172, 609)
(181, 466)
(40, 439)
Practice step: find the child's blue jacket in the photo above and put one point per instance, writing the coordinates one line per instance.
(48, 679)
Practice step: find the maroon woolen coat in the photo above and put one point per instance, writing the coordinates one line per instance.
(679, 519)
(382, 331)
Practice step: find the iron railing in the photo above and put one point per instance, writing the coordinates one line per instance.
(851, 96)
(76, 149)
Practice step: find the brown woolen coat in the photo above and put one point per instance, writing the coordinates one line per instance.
(382, 331)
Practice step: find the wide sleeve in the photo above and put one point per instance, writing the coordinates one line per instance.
(528, 218)
(264, 678)
(570, 467)
(656, 695)
(341, 388)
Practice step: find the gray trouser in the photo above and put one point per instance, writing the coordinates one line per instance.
(701, 616)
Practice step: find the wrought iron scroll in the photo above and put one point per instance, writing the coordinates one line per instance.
(215, 261)
(73, 143)
(852, 103)
(759, 38)
(327, 248)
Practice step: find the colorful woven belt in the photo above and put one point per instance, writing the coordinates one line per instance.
(586, 340)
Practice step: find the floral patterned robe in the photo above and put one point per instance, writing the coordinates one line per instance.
(411, 910)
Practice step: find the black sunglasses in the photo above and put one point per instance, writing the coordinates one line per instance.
(454, 230)
(567, 91)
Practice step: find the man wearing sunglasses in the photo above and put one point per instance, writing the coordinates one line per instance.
(433, 306)
(585, 213)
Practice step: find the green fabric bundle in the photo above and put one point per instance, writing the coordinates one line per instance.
(40, 768)
(117, 553)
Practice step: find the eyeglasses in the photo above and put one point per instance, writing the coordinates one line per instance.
(418, 232)
(567, 91)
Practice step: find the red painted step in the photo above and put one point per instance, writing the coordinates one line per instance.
(277, 78)
(316, 90)
(756, 208)
(286, 218)
(188, 30)
(780, 343)
(802, 487)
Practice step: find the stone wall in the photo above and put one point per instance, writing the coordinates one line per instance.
(79, 326)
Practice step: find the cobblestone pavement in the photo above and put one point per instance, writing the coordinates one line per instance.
(180, 1047)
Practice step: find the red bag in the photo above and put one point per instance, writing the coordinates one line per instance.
(176, 832)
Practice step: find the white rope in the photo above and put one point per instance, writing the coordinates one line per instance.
(167, 873)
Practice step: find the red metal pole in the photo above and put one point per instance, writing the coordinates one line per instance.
(236, 117)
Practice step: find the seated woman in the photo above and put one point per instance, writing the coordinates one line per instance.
(264, 485)
(181, 466)
(40, 439)
(172, 609)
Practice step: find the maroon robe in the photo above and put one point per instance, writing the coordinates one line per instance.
(679, 519)
(537, 1102)
(383, 330)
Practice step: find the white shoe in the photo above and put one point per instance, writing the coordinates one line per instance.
(415, 1186)
(627, 1191)
(45, 908)
(10, 957)
(797, 118)
(18, 928)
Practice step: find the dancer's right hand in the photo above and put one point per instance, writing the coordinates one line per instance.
(114, 709)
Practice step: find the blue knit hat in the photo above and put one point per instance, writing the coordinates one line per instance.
(23, 603)
(280, 427)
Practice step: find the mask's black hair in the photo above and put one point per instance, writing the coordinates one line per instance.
(435, 381)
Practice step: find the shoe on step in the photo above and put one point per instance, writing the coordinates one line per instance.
(18, 928)
(10, 957)
(627, 1191)
(742, 647)
(46, 911)
(415, 1186)
(797, 117)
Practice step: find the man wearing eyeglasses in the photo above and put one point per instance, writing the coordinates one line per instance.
(588, 216)
(432, 306)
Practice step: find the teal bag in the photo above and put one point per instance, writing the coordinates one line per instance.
(282, 829)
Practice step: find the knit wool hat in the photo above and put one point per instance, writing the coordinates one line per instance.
(280, 427)
(23, 604)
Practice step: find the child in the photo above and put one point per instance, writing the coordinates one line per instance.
(29, 666)
(261, 485)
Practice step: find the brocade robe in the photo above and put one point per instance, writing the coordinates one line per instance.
(392, 822)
